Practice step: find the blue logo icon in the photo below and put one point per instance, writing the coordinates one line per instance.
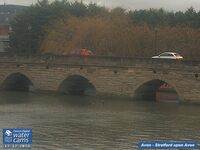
(8, 133)
(17, 136)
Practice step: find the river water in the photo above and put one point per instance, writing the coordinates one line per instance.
(85, 123)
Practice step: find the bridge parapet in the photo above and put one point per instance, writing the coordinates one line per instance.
(103, 61)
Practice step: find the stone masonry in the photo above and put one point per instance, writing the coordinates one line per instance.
(119, 77)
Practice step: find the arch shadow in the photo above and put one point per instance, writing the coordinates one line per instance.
(77, 85)
(156, 90)
(17, 82)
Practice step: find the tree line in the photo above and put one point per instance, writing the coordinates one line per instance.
(62, 26)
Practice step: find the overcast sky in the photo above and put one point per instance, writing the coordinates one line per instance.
(174, 5)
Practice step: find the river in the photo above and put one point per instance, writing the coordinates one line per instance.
(62, 122)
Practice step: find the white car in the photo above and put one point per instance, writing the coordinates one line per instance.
(168, 55)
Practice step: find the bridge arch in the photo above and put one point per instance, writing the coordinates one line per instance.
(17, 81)
(77, 85)
(156, 90)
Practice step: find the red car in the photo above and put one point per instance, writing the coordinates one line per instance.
(82, 52)
(86, 52)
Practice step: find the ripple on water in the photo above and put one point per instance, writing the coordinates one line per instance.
(62, 122)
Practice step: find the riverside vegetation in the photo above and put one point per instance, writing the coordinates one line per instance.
(62, 26)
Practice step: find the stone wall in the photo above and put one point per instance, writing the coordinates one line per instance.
(108, 80)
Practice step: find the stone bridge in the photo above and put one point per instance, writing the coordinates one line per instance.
(108, 76)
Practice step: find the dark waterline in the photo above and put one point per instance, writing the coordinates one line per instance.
(74, 122)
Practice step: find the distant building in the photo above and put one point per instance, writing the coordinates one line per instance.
(7, 14)
(4, 37)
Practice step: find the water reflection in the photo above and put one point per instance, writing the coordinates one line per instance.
(14, 97)
(71, 122)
